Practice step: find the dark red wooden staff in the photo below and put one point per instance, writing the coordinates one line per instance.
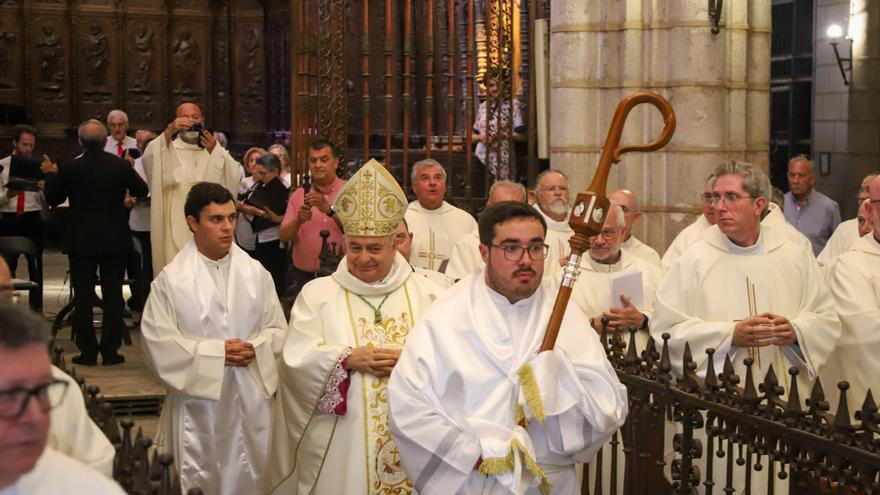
(591, 206)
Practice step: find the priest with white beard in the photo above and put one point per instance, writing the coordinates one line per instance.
(855, 283)
(694, 231)
(436, 225)
(630, 204)
(211, 330)
(466, 252)
(749, 292)
(552, 203)
(330, 427)
(475, 408)
(847, 232)
(744, 289)
(172, 165)
(592, 293)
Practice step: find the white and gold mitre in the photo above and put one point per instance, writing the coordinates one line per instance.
(371, 203)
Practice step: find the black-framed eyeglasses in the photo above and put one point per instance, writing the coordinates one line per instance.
(608, 233)
(514, 252)
(728, 197)
(14, 401)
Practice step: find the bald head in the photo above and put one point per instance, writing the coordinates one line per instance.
(629, 203)
(506, 190)
(92, 134)
(866, 182)
(189, 109)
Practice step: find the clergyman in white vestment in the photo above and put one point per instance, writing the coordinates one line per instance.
(211, 330)
(436, 225)
(630, 204)
(552, 197)
(855, 284)
(847, 232)
(692, 232)
(172, 166)
(28, 392)
(466, 252)
(471, 376)
(403, 244)
(747, 291)
(330, 429)
(74, 434)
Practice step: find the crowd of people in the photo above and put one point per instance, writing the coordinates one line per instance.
(414, 365)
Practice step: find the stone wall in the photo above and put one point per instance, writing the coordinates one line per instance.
(601, 50)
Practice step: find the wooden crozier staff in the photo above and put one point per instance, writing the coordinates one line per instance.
(591, 206)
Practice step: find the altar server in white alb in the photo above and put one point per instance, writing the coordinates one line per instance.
(747, 290)
(212, 329)
(855, 283)
(436, 225)
(172, 165)
(330, 428)
(471, 375)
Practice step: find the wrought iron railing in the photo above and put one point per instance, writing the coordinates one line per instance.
(762, 443)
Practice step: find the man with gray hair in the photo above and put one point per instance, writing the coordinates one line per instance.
(435, 224)
(29, 391)
(552, 203)
(118, 141)
(811, 212)
(629, 203)
(96, 236)
(747, 291)
(466, 252)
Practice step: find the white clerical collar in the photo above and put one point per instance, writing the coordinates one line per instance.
(606, 267)
(439, 209)
(754, 249)
(221, 263)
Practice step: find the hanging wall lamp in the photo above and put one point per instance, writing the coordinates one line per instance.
(835, 35)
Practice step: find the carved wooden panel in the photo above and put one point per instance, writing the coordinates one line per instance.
(68, 60)
(11, 48)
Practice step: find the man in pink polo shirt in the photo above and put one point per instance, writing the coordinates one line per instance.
(308, 214)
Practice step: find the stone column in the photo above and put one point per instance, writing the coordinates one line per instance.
(601, 50)
(863, 136)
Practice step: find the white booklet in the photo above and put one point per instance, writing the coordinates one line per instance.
(628, 284)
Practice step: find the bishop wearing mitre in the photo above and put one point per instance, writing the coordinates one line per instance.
(331, 433)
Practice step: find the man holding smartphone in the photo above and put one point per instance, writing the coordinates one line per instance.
(183, 155)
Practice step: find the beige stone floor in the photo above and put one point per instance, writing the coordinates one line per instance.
(131, 379)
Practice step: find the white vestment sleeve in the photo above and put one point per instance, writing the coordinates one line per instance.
(442, 453)
(268, 341)
(580, 405)
(816, 325)
(189, 366)
(73, 433)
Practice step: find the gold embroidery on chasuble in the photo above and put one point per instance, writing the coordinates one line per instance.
(431, 254)
(385, 473)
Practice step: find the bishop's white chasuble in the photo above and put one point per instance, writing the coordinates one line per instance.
(318, 447)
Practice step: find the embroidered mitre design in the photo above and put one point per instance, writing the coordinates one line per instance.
(371, 203)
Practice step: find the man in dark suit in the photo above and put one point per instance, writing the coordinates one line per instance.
(96, 236)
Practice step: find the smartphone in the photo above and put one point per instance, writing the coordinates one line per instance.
(198, 127)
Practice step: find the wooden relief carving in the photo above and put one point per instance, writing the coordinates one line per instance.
(50, 53)
(187, 60)
(140, 60)
(97, 55)
(7, 57)
(252, 67)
